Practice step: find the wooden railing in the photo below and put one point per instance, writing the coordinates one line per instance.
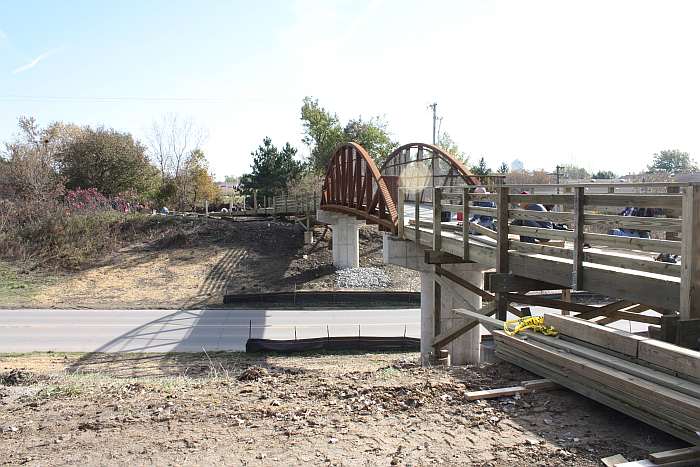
(582, 214)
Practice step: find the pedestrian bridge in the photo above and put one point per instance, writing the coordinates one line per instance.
(409, 196)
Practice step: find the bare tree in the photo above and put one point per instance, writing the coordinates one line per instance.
(172, 141)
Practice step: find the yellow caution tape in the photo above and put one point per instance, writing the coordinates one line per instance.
(536, 323)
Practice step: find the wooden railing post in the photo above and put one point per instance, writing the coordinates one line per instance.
(465, 223)
(502, 265)
(672, 212)
(417, 216)
(437, 219)
(690, 254)
(577, 273)
(255, 201)
(399, 211)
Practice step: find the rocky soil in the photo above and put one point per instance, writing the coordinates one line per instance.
(348, 409)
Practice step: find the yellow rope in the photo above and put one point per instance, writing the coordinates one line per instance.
(536, 323)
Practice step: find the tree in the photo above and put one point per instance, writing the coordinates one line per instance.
(272, 170)
(323, 132)
(503, 168)
(372, 135)
(31, 164)
(573, 172)
(448, 145)
(604, 175)
(481, 169)
(199, 183)
(672, 161)
(105, 159)
(171, 142)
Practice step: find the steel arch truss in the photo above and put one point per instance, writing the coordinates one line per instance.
(354, 186)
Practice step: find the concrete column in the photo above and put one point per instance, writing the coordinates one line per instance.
(427, 285)
(346, 238)
(466, 348)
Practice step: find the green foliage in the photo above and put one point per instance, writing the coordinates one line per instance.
(372, 135)
(481, 169)
(604, 175)
(572, 172)
(448, 145)
(272, 169)
(672, 161)
(108, 160)
(503, 168)
(323, 132)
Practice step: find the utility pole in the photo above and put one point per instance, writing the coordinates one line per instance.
(434, 107)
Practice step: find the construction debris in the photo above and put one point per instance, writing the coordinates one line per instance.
(614, 368)
(525, 387)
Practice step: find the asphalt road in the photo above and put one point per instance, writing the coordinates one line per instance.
(187, 330)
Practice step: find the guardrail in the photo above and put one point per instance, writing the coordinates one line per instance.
(582, 238)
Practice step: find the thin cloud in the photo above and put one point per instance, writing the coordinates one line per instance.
(33, 63)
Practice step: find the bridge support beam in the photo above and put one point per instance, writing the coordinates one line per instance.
(346, 238)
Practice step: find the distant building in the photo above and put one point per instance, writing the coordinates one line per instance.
(517, 165)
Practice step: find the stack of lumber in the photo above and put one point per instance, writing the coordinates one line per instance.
(650, 380)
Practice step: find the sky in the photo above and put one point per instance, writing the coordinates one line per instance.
(599, 84)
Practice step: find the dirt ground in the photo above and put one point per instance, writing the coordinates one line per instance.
(324, 409)
(194, 265)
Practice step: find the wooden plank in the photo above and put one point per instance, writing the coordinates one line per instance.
(612, 461)
(535, 232)
(548, 303)
(440, 257)
(465, 223)
(583, 387)
(666, 402)
(605, 309)
(682, 454)
(579, 229)
(400, 214)
(631, 243)
(626, 315)
(533, 385)
(506, 282)
(633, 222)
(541, 199)
(524, 214)
(690, 253)
(495, 393)
(502, 256)
(483, 230)
(639, 201)
(447, 336)
(617, 362)
(486, 321)
(675, 358)
(609, 338)
(437, 219)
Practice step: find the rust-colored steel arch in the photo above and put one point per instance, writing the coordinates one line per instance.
(354, 185)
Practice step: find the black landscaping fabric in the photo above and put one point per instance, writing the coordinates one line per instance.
(377, 344)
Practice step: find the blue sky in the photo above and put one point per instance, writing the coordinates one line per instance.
(598, 84)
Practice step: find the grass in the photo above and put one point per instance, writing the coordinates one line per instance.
(16, 287)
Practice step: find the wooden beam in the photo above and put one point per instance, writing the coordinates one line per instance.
(548, 302)
(604, 310)
(465, 222)
(506, 282)
(502, 259)
(690, 254)
(437, 219)
(610, 317)
(472, 288)
(608, 338)
(579, 229)
(683, 454)
(486, 321)
(440, 257)
(672, 357)
(447, 336)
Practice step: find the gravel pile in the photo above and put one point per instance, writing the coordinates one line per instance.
(362, 278)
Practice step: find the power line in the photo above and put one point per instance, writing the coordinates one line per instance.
(203, 100)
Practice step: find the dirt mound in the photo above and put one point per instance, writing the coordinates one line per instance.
(18, 377)
(253, 373)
